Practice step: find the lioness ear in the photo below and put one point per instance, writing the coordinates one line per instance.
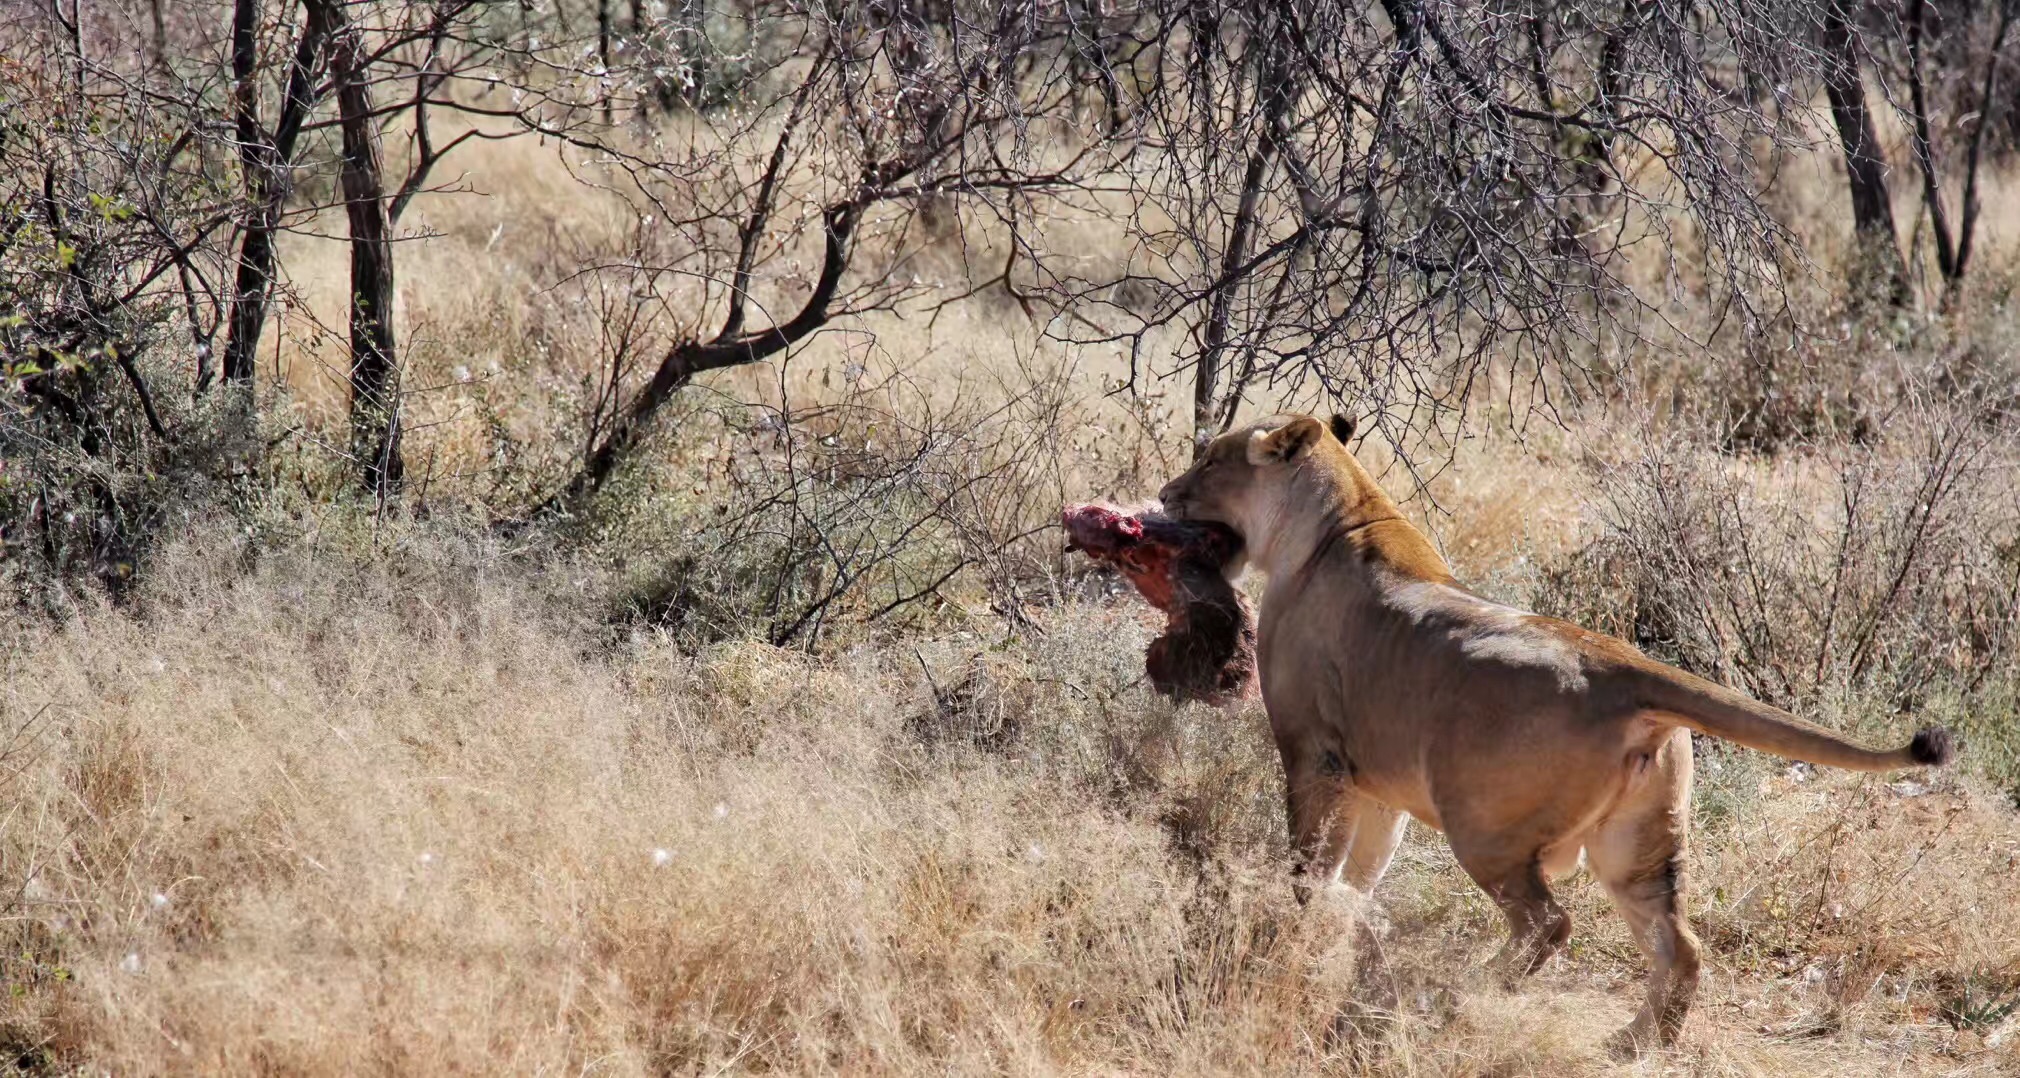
(1343, 428)
(1285, 442)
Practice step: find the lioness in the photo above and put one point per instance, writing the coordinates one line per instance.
(1391, 689)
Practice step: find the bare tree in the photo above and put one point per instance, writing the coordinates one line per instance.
(266, 158)
(1952, 60)
(382, 62)
(147, 170)
(110, 233)
(1865, 162)
(375, 418)
(855, 120)
(1369, 203)
(1386, 205)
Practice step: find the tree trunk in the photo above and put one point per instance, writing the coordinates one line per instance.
(375, 375)
(249, 295)
(1967, 228)
(1924, 147)
(264, 159)
(1865, 163)
(1211, 387)
(1206, 387)
(255, 255)
(603, 54)
(160, 35)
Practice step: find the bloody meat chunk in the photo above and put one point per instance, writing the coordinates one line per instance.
(1207, 651)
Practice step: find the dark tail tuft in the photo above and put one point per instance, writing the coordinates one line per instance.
(1933, 746)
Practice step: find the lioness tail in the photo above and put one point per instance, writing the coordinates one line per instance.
(1720, 712)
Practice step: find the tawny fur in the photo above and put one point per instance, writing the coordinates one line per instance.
(1392, 690)
(1207, 650)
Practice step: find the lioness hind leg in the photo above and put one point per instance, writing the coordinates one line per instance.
(1639, 855)
(1649, 892)
(1537, 925)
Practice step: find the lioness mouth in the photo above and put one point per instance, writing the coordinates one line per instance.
(1207, 651)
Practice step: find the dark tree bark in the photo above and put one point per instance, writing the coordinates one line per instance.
(732, 345)
(729, 348)
(1213, 386)
(375, 376)
(1923, 147)
(1206, 378)
(264, 159)
(1953, 245)
(160, 43)
(1865, 162)
(255, 256)
(1967, 229)
(603, 49)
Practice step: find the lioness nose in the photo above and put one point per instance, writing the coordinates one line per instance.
(1168, 492)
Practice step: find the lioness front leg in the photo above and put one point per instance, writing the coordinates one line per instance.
(1332, 825)
(1378, 830)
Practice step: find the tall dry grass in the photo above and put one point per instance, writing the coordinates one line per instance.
(407, 812)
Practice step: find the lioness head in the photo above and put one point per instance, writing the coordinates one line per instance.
(1245, 479)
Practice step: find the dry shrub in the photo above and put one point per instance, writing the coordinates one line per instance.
(1878, 905)
(854, 512)
(86, 492)
(1877, 576)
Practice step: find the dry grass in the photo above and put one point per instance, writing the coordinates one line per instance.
(335, 814)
